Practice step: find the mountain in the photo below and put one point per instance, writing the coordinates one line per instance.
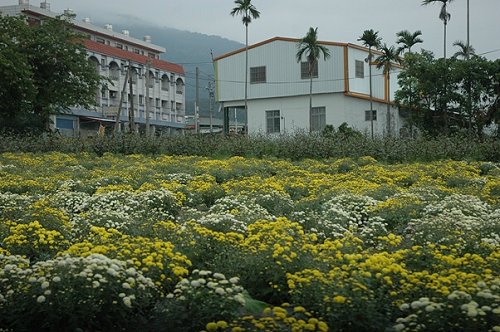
(190, 49)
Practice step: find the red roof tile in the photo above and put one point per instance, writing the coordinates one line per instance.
(122, 54)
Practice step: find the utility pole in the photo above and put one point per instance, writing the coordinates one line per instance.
(118, 113)
(211, 98)
(148, 106)
(131, 117)
(197, 103)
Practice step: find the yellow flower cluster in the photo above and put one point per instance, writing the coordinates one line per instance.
(33, 239)
(156, 259)
(275, 319)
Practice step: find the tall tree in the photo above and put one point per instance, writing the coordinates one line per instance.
(370, 39)
(53, 74)
(444, 16)
(389, 57)
(464, 50)
(407, 39)
(312, 50)
(247, 10)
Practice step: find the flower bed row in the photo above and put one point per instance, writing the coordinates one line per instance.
(191, 243)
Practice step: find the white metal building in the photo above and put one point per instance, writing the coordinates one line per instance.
(112, 52)
(278, 88)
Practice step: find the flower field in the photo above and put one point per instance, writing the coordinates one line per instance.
(184, 243)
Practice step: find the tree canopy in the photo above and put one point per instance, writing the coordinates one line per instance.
(422, 92)
(44, 71)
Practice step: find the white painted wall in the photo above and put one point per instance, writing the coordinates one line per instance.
(285, 91)
(339, 109)
(282, 72)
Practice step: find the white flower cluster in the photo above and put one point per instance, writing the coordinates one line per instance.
(182, 178)
(71, 202)
(9, 201)
(90, 280)
(115, 209)
(234, 214)
(483, 304)
(445, 222)
(205, 283)
(7, 167)
(345, 213)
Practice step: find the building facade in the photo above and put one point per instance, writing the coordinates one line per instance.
(278, 89)
(157, 85)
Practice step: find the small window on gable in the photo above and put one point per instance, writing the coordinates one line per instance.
(304, 70)
(258, 74)
(360, 69)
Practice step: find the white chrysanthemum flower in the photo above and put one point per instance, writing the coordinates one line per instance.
(56, 279)
(127, 301)
(220, 291)
(219, 276)
(404, 306)
(399, 327)
(40, 299)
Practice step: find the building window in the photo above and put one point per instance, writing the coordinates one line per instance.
(104, 63)
(112, 94)
(141, 100)
(134, 76)
(273, 122)
(360, 69)
(164, 83)
(258, 74)
(151, 80)
(367, 115)
(64, 123)
(304, 70)
(100, 40)
(120, 46)
(318, 118)
(179, 87)
(114, 71)
(137, 51)
(157, 102)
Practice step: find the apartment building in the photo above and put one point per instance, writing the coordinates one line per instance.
(113, 53)
(278, 89)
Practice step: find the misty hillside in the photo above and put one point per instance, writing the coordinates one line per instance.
(189, 49)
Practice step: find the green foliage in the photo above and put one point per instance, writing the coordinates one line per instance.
(45, 71)
(296, 146)
(452, 94)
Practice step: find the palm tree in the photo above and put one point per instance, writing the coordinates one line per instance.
(408, 39)
(312, 49)
(443, 16)
(370, 39)
(465, 51)
(247, 10)
(390, 55)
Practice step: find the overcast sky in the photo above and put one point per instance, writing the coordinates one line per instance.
(342, 21)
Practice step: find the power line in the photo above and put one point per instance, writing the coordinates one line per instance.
(492, 51)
